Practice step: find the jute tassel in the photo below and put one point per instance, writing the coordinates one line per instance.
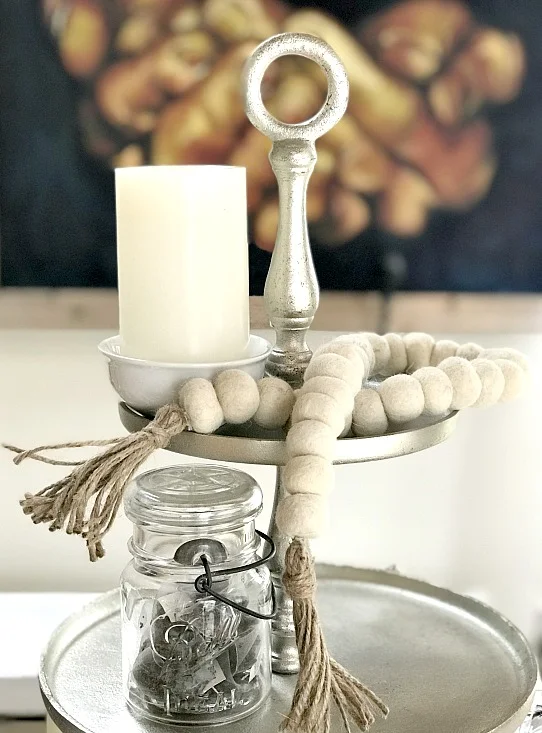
(321, 678)
(99, 482)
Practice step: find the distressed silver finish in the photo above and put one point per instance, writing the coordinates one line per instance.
(291, 289)
(284, 656)
(250, 444)
(442, 662)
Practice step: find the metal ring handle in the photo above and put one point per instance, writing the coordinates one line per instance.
(311, 47)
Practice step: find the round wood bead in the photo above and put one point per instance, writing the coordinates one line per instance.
(493, 382)
(336, 388)
(419, 348)
(469, 351)
(198, 399)
(302, 515)
(398, 356)
(276, 402)
(402, 397)
(511, 354)
(319, 406)
(335, 365)
(238, 395)
(465, 381)
(514, 379)
(381, 350)
(369, 417)
(350, 351)
(365, 345)
(311, 438)
(308, 475)
(437, 390)
(362, 342)
(443, 350)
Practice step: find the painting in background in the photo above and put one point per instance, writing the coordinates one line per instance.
(429, 182)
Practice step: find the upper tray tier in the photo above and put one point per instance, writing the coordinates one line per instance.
(250, 444)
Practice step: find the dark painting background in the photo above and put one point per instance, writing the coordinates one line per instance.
(57, 204)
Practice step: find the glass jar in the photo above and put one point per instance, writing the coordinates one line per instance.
(188, 656)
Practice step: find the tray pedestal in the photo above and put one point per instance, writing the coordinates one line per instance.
(284, 656)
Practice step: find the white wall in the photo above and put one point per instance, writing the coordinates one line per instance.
(464, 514)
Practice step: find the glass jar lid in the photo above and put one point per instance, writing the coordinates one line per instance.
(193, 495)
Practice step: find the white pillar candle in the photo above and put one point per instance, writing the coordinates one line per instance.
(183, 263)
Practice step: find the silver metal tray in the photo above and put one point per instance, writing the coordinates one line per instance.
(250, 444)
(442, 662)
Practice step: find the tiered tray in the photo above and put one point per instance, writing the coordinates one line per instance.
(443, 663)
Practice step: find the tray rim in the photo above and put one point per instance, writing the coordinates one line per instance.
(324, 572)
(271, 451)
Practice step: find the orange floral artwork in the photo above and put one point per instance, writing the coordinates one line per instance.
(160, 85)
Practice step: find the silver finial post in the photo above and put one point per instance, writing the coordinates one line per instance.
(291, 289)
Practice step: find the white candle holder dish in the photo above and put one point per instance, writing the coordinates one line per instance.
(148, 385)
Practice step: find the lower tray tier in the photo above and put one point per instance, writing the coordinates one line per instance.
(443, 663)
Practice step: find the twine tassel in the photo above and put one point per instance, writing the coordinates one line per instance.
(87, 501)
(321, 679)
(34, 453)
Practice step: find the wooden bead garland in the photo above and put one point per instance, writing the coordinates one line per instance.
(510, 354)
(308, 475)
(398, 361)
(362, 342)
(276, 402)
(238, 396)
(381, 350)
(337, 366)
(453, 382)
(465, 381)
(333, 387)
(514, 379)
(402, 397)
(492, 379)
(369, 417)
(419, 347)
(302, 515)
(311, 438)
(437, 390)
(353, 353)
(443, 375)
(319, 406)
(346, 389)
(442, 350)
(469, 351)
(199, 400)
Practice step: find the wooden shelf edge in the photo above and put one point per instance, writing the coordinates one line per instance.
(29, 308)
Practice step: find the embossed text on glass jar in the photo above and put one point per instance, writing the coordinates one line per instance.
(188, 657)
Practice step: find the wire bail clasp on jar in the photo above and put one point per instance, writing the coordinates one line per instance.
(204, 582)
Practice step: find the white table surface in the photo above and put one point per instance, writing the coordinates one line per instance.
(27, 621)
